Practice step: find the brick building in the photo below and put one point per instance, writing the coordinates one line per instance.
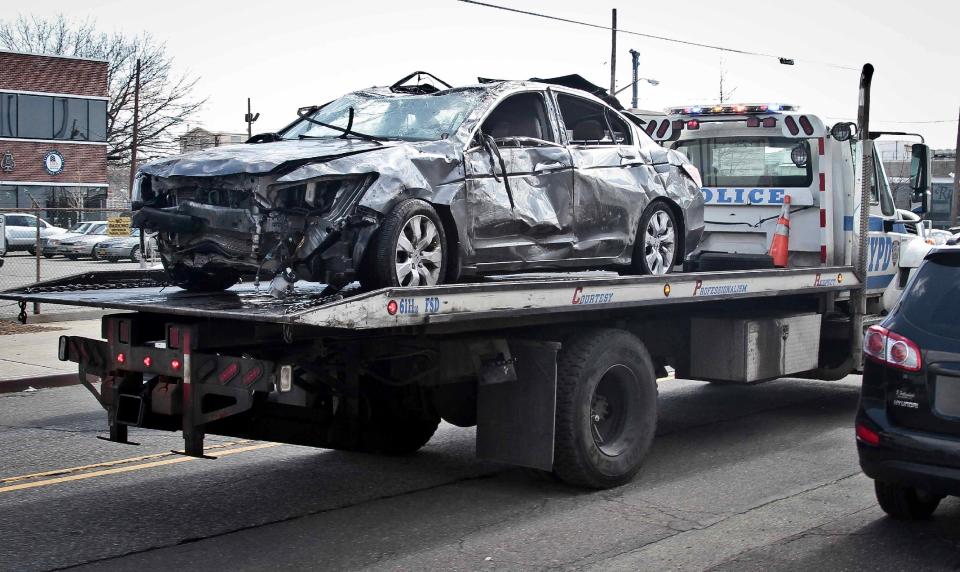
(53, 123)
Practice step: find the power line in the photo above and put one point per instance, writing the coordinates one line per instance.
(650, 36)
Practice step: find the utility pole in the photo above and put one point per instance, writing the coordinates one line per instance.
(250, 118)
(613, 53)
(136, 129)
(955, 203)
(634, 104)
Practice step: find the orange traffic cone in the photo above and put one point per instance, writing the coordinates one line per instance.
(780, 246)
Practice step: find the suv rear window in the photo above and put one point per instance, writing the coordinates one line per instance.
(933, 302)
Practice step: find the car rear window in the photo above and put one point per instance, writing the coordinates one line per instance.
(932, 303)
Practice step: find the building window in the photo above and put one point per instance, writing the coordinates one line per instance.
(8, 115)
(45, 117)
(35, 117)
(98, 120)
(70, 119)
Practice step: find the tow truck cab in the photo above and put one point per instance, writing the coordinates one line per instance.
(751, 156)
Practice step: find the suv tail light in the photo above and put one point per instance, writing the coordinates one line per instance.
(891, 348)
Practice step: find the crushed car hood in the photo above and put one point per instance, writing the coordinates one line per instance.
(258, 158)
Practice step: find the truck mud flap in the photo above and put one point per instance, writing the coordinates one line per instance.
(516, 413)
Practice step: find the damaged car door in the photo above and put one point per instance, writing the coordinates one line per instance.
(608, 197)
(520, 186)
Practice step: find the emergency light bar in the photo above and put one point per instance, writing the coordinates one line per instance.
(731, 109)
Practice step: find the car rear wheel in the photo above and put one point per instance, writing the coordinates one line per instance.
(905, 503)
(409, 249)
(655, 251)
(606, 408)
(135, 253)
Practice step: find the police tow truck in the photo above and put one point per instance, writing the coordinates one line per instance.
(752, 156)
(558, 372)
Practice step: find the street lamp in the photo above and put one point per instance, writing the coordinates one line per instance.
(636, 79)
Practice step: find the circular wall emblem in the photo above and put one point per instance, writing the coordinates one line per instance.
(53, 162)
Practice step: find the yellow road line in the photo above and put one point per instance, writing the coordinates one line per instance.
(68, 470)
(127, 469)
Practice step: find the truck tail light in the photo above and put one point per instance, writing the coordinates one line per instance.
(176, 364)
(228, 373)
(892, 349)
(769, 122)
(693, 124)
(147, 361)
(121, 357)
(753, 122)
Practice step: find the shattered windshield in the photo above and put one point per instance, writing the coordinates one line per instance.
(407, 117)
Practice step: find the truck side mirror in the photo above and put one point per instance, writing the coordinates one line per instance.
(920, 176)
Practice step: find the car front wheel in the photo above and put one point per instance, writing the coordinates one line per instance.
(409, 248)
(655, 251)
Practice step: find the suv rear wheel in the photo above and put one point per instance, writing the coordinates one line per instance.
(905, 503)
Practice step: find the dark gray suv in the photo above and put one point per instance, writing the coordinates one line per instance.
(413, 185)
(908, 424)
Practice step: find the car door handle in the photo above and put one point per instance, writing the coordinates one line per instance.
(548, 166)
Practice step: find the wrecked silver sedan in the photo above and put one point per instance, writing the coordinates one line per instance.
(415, 185)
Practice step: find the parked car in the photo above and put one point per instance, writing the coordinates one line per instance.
(51, 245)
(20, 231)
(413, 185)
(83, 246)
(908, 423)
(117, 248)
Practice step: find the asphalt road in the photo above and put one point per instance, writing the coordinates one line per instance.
(740, 478)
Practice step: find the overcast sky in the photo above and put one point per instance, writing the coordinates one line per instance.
(286, 54)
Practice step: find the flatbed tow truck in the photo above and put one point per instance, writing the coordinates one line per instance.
(557, 371)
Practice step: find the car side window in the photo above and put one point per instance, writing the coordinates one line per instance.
(621, 131)
(587, 122)
(28, 221)
(14, 220)
(520, 121)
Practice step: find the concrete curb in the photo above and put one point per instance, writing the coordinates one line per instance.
(39, 382)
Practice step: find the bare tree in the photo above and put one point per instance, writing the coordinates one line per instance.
(167, 100)
(726, 92)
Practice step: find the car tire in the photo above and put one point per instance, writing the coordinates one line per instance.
(134, 254)
(72, 256)
(194, 280)
(658, 238)
(45, 255)
(606, 408)
(32, 251)
(395, 431)
(905, 503)
(411, 238)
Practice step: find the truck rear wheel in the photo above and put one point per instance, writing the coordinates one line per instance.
(392, 429)
(606, 408)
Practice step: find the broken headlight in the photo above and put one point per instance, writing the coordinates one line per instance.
(321, 194)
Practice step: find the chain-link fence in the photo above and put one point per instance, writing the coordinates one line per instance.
(47, 243)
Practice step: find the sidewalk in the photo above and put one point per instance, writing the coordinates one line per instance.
(29, 353)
